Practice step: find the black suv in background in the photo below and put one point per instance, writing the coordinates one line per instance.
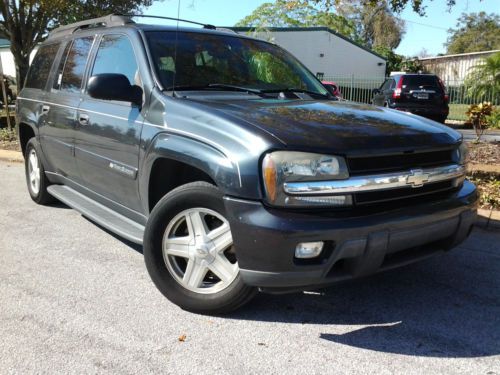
(231, 164)
(420, 94)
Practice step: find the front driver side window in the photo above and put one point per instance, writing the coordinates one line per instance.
(116, 55)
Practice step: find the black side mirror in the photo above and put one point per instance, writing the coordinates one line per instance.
(111, 86)
(375, 91)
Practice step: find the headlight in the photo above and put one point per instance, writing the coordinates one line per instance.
(286, 166)
(462, 154)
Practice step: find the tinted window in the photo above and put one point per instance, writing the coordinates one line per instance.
(199, 59)
(420, 82)
(74, 68)
(116, 55)
(40, 67)
(60, 68)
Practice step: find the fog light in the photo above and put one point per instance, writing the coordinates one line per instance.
(308, 249)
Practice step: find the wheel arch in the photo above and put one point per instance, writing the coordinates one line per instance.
(174, 160)
(25, 132)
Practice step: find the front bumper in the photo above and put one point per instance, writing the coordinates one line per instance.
(355, 246)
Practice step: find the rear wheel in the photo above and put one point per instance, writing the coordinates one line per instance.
(35, 175)
(189, 252)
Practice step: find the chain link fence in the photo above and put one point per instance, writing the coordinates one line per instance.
(359, 89)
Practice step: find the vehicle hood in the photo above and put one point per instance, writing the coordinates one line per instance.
(338, 126)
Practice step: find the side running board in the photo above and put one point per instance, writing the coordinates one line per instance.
(109, 219)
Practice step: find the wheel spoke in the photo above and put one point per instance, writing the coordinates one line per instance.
(194, 274)
(177, 247)
(221, 237)
(223, 268)
(196, 224)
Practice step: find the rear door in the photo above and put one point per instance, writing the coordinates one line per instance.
(108, 133)
(61, 106)
(34, 93)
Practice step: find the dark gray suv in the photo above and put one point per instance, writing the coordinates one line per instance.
(230, 162)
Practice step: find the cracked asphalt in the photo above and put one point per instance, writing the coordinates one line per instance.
(76, 299)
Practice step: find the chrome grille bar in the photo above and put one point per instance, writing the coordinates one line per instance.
(411, 178)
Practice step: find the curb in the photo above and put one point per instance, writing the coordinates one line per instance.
(11, 156)
(488, 219)
(478, 167)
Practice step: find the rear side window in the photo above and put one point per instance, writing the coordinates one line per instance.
(116, 55)
(74, 67)
(420, 82)
(40, 67)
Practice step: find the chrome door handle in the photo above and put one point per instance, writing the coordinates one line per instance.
(45, 109)
(83, 119)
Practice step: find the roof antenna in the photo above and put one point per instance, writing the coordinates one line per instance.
(175, 47)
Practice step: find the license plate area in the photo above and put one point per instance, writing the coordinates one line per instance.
(422, 95)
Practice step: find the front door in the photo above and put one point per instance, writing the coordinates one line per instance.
(108, 132)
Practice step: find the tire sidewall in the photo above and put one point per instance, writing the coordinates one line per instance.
(32, 145)
(192, 195)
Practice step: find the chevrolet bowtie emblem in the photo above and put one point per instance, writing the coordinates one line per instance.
(417, 178)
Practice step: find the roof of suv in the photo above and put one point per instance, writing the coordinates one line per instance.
(117, 21)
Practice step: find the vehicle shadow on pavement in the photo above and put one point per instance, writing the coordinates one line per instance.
(446, 306)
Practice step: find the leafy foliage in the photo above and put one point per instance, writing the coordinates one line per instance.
(484, 78)
(397, 6)
(375, 23)
(398, 63)
(281, 14)
(27, 22)
(371, 25)
(474, 32)
(478, 115)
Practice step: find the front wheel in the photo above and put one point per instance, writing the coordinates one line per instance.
(189, 251)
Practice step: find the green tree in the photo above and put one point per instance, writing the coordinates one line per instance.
(280, 14)
(27, 22)
(474, 32)
(375, 23)
(397, 6)
(483, 79)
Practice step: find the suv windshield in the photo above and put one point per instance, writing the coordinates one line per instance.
(226, 62)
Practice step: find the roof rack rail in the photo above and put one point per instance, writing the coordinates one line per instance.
(105, 21)
(205, 26)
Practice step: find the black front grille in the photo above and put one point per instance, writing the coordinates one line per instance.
(397, 162)
(370, 197)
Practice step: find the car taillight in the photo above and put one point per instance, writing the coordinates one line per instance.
(446, 97)
(397, 92)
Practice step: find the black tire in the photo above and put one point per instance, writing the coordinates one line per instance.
(41, 196)
(189, 196)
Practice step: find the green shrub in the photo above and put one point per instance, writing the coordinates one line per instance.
(493, 120)
(7, 136)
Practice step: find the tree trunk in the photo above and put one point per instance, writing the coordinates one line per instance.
(22, 64)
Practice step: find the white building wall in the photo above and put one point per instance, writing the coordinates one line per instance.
(8, 64)
(340, 57)
(454, 68)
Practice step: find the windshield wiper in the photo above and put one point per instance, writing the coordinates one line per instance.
(293, 90)
(237, 88)
(222, 86)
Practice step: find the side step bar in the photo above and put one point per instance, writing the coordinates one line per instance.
(109, 219)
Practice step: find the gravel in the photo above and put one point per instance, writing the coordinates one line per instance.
(76, 299)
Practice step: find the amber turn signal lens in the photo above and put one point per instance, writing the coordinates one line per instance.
(270, 180)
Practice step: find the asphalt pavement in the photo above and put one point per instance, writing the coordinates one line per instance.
(76, 299)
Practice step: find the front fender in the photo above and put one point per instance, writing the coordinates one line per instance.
(211, 159)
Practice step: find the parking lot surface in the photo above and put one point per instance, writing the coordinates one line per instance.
(76, 299)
